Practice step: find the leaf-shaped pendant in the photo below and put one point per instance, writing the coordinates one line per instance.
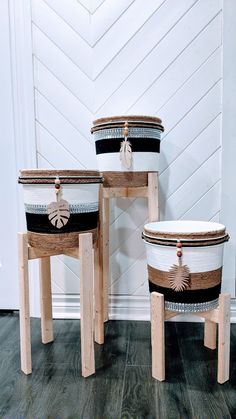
(179, 277)
(126, 153)
(58, 213)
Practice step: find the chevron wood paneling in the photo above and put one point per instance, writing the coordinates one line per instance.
(75, 15)
(162, 57)
(164, 36)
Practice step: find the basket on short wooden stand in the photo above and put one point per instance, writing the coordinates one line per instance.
(184, 260)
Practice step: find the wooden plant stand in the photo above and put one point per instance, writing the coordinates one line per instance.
(88, 253)
(220, 316)
(149, 190)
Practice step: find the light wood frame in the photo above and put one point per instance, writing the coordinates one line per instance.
(220, 316)
(90, 278)
(106, 193)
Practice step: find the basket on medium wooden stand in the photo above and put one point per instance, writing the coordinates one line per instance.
(62, 218)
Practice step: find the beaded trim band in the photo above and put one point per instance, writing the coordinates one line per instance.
(74, 208)
(133, 132)
(191, 308)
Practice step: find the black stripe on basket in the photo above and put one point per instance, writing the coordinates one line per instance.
(188, 297)
(112, 145)
(39, 223)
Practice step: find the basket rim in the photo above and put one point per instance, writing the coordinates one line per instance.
(82, 180)
(151, 230)
(60, 172)
(127, 118)
(186, 242)
(32, 176)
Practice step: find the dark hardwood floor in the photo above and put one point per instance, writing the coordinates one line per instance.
(123, 386)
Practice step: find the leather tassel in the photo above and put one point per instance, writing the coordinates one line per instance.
(179, 275)
(126, 153)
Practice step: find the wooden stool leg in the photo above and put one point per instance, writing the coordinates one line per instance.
(153, 197)
(86, 303)
(223, 338)
(45, 300)
(210, 334)
(104, 248)
(158, 335)
(98, 288)
(25, 340)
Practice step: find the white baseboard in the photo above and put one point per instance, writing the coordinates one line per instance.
(121, 307)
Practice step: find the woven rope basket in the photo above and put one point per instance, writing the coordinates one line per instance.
(59, 204)
(127, 145)
(184, 261)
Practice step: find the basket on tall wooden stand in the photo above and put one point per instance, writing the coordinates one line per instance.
(127, 149)
(184, 260)
(61, 208)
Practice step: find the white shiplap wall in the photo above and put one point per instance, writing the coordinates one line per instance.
(161, 57)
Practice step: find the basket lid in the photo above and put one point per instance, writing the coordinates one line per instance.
(128, 118)
(48, 176)
(132, 120)
(183, 229)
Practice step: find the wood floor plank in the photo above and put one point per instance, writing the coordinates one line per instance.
(139, 393)
(228, 389)
(165, 400)
(200, 368)
(140, 343)
(9, 331)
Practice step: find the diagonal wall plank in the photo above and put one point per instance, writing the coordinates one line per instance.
(63, 99)
(175, 109)
(74, 14)
(194, 188)
(106, 16)
(121, 31)
(59, 155)
(204, 112)
(62, 67)
(59, 127)
(207, 206)
(130, 58)
(184, 65)
(62, 35)
(191, 158)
